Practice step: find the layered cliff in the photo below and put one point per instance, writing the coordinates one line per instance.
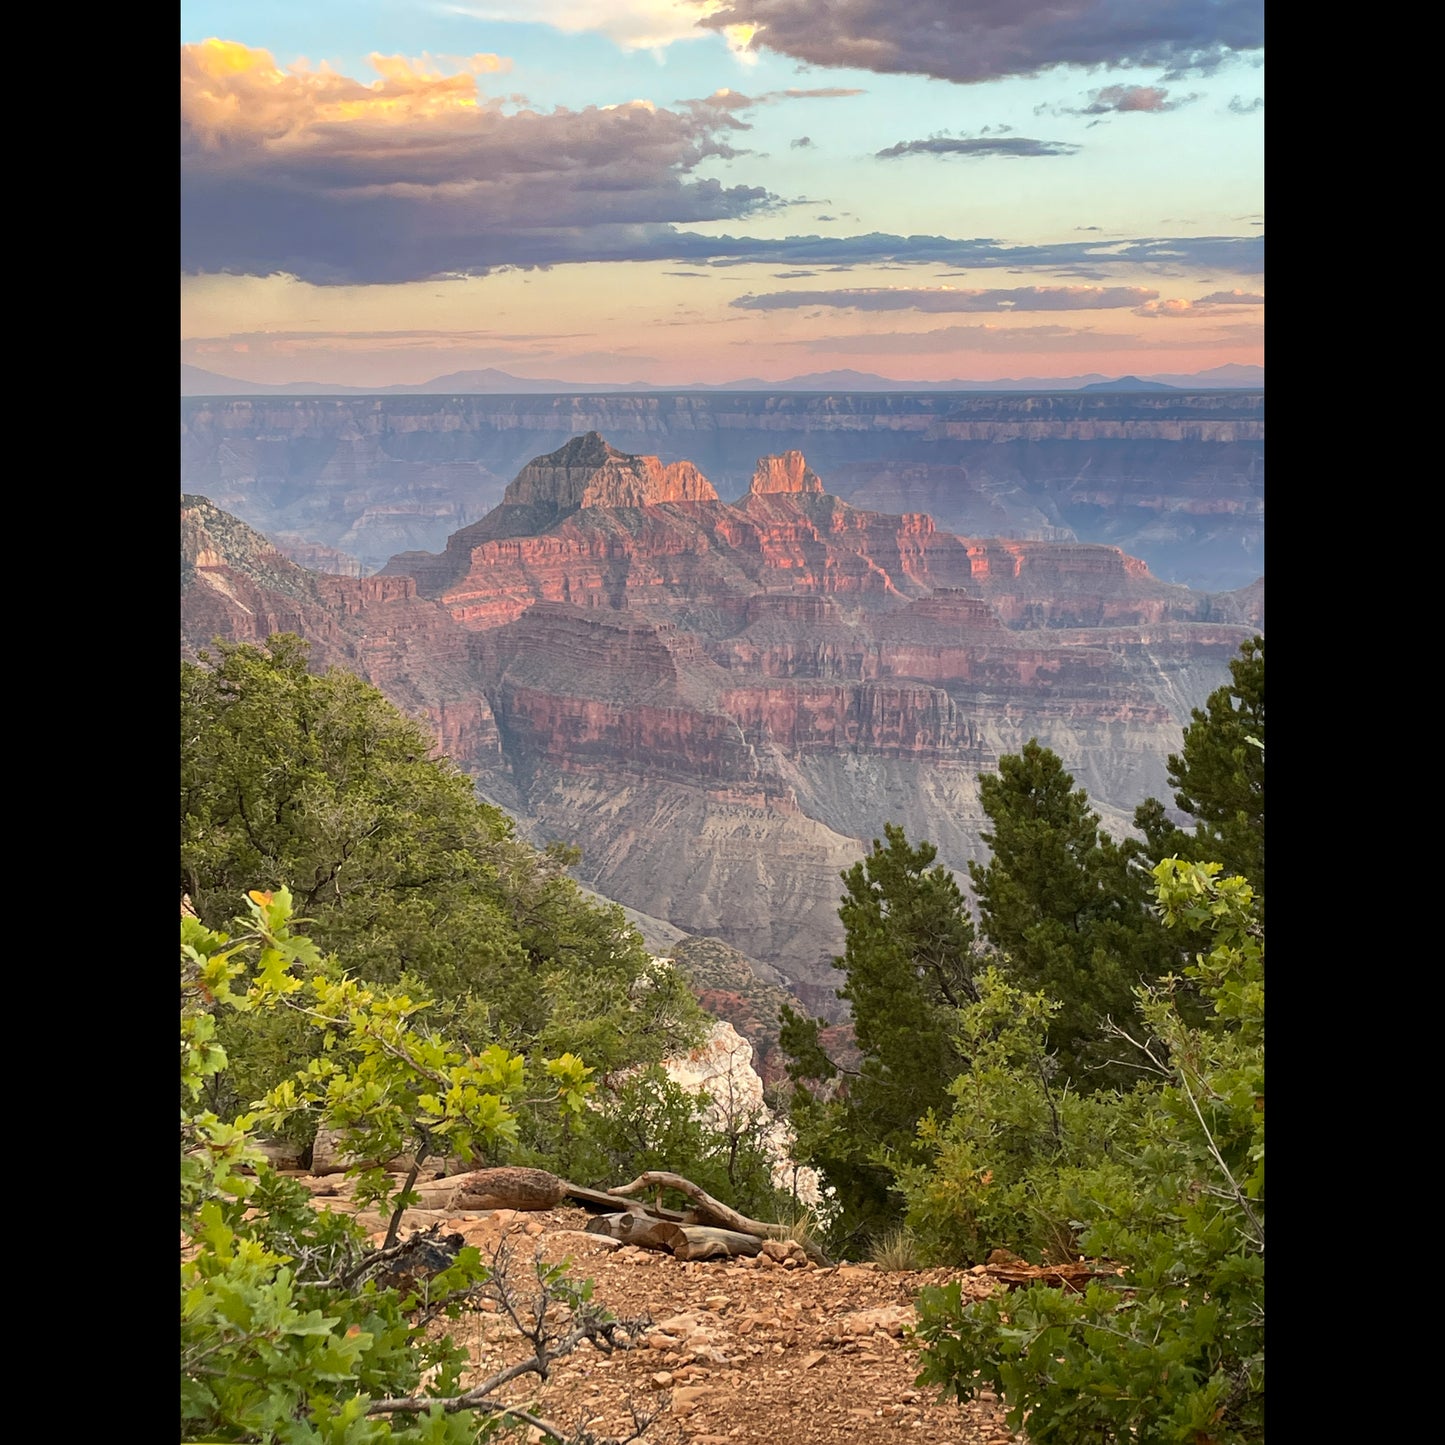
(723, 703)
(786, 473)
(587, 472)
(236, 587)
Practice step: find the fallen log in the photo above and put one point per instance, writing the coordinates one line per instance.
(681, 1241)
(510, 1188)
(710, 1211)
(613, 1203)
(1072, 1277)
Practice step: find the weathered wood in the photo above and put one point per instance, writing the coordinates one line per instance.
(613, 1203)
(710, 1211)
(1074, 1277)
(701, 1242)
(509, 1188)
(683, 1242)
(633, 1227)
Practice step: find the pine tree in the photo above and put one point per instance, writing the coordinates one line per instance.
(1219, 779)
(1067, 907)
(908, 961)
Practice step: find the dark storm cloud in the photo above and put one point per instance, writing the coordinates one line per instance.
(978, 40)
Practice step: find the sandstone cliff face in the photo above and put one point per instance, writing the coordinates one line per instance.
(723, 704)
(1176, 478)
(587, 472)
(786, 473)
(235, 586)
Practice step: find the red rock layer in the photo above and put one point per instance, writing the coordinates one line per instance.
(785, 473)
(586, 472)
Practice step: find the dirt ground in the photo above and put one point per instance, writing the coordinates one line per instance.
(747, 1352)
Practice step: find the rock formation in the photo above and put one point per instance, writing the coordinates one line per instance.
(1176, 479)
(787, 473)
(586, 472)
(722, 704)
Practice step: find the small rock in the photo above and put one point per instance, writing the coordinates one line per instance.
(716, 1302)
(687, 1399)
(890, 1319)
(814, 1357)
(661, 1380)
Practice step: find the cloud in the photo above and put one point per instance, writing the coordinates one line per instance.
(310, 340)
(418, 174)
(965, 338)
(949, 298)
(996, 339)
(980, 40)
(1240, 106)
(1235, 255)
(957, 40)
(803, 142)
(940, 145)
(1121, 100)
(1217, 303)
(631, 24)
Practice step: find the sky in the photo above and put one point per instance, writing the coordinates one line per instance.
(677, 191)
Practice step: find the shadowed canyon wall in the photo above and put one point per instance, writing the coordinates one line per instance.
(1176, 478)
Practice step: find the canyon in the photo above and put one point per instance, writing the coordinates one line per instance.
(1175, 479)
(723, 703)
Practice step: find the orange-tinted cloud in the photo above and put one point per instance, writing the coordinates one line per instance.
(1217, 303)
(418, 173)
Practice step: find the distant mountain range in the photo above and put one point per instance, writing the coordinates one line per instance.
(196, 381)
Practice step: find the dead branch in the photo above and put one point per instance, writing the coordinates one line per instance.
(710, 1211)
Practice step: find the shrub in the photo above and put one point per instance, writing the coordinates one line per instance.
(1171, 1348)
(294, 1327)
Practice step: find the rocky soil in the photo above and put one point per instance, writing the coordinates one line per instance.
(735, 1352)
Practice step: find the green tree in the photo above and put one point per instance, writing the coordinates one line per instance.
(1068, 908)
(1167, 1344)
(999, 1171)
(1219, 778)
(908, 961)
(317, 783)
(290, 1331)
